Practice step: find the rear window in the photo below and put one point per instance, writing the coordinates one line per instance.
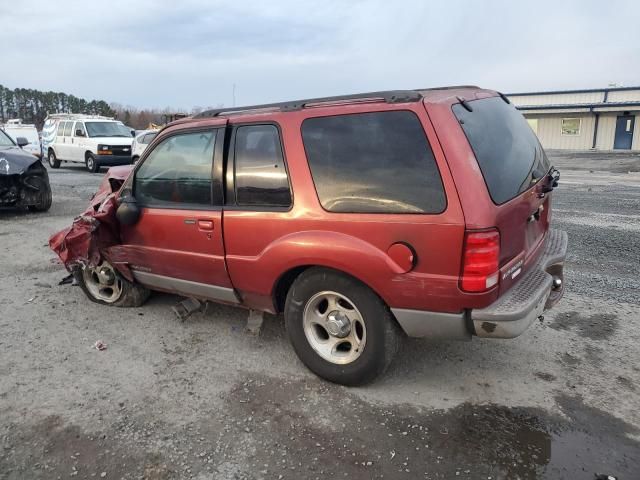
(373, 163)
(508, 152)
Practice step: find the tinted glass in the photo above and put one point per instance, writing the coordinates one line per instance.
(508, 152)
(79, 126)
(61, 127)
(373, 163)
(68, 128)
(261, 177)
(177, 172)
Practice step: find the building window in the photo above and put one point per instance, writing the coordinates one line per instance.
(571, 126)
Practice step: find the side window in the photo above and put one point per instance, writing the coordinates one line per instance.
(79, 128)
(260, 174)
(67, 129)
(177, 172)
(61, 127)
(147, 138)
(378, 162)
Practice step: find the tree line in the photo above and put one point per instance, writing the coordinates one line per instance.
(33, 106)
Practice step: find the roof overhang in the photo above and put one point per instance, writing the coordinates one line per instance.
(581, 108)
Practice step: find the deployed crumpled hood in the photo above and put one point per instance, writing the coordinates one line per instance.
(15, 161)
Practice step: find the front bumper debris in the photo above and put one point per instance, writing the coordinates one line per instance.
(540, 289)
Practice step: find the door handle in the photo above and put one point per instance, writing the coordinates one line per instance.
(205, 224)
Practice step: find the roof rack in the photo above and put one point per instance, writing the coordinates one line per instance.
(390, 96)
(76, 116)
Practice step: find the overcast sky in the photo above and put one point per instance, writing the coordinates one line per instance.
(184, 53)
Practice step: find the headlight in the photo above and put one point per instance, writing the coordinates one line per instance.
(104, 150)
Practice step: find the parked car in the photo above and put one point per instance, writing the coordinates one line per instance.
(15, 128)
(24, 181)
(361, 218)
(93, 140)
(140, 143)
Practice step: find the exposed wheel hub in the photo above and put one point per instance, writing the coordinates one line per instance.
(338, 324)
(106, 276)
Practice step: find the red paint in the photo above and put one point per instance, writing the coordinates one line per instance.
(251, 250)
(402, 255)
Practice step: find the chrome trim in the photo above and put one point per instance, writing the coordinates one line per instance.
(186, 287)
(436, 325)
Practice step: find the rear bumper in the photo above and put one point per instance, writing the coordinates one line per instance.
(111, 160)
(518, 308)
(507, 317)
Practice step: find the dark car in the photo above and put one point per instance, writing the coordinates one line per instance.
(24, 181)
(423, 212)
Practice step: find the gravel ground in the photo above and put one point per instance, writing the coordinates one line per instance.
(202, 399)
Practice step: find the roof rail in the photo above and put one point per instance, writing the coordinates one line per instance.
(452, 87)
(391, 96)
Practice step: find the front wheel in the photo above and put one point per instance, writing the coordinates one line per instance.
(44, 198)
(340, 329)
(104, 285)
(91, 163)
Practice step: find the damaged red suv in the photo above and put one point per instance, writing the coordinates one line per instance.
(361, 218)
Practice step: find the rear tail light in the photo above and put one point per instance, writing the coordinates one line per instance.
(480, 261)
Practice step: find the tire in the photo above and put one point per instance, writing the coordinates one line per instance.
(104, 285)
(53, 160)
(134, 159)
(318, 334)
(91, 163)
(44, 200)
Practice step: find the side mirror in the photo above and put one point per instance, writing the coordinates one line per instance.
(21, 141)
(128, 211)
(79, 133)
(133, 133)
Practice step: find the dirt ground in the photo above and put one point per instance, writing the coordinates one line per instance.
(202, 399)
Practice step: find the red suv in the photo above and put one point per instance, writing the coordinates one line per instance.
(360, 217)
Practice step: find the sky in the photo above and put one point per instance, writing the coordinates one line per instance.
(188, 53)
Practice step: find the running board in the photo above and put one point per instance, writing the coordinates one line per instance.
(186, 287)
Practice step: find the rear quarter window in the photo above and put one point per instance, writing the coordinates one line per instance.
(507, 150)
(378, 162)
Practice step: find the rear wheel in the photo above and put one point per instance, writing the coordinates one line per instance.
(340, 329)
(53, 160)
(104, 285)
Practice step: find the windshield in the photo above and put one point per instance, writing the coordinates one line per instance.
(509, 154)
(5, 140)
(107, 129)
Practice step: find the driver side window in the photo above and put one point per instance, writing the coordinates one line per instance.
(177, 172)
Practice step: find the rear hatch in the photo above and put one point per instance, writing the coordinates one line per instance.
(515, 168)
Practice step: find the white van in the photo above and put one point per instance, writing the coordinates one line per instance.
(90, 139)
(15, 128)
(141, 142)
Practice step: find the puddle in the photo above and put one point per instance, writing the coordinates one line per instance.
(601, 326)
(291, 429)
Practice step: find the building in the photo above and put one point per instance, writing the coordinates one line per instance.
(601, 119)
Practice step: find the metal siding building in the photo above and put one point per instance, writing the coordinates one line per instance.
(600, 119)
